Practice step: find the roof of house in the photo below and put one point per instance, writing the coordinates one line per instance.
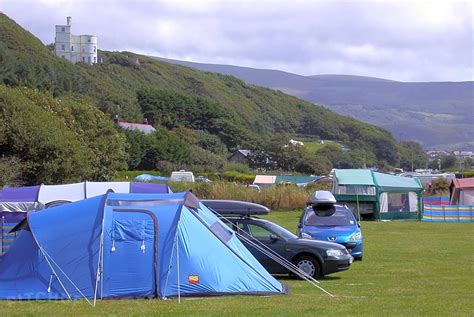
(145, 128)
(463, 182)
(244, 152)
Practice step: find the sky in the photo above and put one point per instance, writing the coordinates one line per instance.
(405, 40)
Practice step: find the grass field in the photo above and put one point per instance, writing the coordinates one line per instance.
(409, 268)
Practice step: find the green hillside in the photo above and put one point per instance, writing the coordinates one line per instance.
(204, 110)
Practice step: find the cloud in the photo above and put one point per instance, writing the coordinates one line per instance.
(402, 40)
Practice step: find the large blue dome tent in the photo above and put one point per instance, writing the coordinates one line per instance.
(130, 245)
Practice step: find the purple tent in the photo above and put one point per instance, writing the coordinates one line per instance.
(20, 199)
(20, 194)
(7, 221)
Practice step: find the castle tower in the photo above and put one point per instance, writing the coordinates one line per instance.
(62, 45)
(75, 48)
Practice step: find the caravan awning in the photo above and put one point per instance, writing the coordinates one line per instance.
(354, 177)
(264, 179)
(392, 183)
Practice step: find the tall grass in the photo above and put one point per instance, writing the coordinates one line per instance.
(276, 197)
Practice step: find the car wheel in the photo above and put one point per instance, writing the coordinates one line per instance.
(309, 265)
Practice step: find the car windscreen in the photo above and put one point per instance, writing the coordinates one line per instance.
(335, 217)
(282, 232)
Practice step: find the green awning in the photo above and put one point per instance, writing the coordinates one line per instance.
(359, 177)
(392, 183)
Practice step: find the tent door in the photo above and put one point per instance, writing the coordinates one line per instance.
(130, 254)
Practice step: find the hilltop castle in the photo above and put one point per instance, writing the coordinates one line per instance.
(75, 48)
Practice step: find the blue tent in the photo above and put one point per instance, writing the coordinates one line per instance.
(130, 245)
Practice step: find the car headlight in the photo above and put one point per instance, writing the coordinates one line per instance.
(357, 236)
(334, 252)
(304, 235)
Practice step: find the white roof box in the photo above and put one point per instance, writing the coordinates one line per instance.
(322, 197)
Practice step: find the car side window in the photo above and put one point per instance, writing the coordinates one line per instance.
(259, 232)
(236, 226)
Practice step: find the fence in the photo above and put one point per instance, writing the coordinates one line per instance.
(437, 213)
(440, 200)
(8, 220)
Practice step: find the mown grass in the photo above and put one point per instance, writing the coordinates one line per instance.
(312, 146)
(409, 268)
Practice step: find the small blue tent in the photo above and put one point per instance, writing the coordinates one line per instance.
(130, 245)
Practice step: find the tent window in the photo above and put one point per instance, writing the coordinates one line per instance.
(356, 190)
(221, 232)
(399, 202)
(467, 197)
(147, 203)
(132, 230)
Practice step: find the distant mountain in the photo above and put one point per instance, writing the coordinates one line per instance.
(436, 114)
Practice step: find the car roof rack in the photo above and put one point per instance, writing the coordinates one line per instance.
(235, 207)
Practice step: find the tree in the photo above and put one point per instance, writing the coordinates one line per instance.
(449, 162)
(57, 141)
(385, 149)
(411, 155)
(330, 151)
(313, 165)
(358, 158)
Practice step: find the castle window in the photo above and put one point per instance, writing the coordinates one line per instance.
(63, 29)
(63, 56)
(83, 58)
(72, 48)
(63, 47)
(89, 59)
(95, 59)
(89, 39)
(95, 48)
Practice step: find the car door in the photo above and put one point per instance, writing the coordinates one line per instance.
(270, 240)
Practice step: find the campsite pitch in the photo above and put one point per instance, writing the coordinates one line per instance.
(409, 268)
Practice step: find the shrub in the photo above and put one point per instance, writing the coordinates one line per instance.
(275, 197)
(239, 177)
(439, 186)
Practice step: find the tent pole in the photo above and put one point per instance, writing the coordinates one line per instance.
(358, 209)
(177, 262)
(54, 271)
(3, 224)
(100, 260)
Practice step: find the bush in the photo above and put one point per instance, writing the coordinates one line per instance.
(440, 186)
(239, 177)
(237, 167)
(465, 174)
(275, 197)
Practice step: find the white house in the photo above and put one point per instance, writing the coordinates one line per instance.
(294, 142)
(75, 48)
